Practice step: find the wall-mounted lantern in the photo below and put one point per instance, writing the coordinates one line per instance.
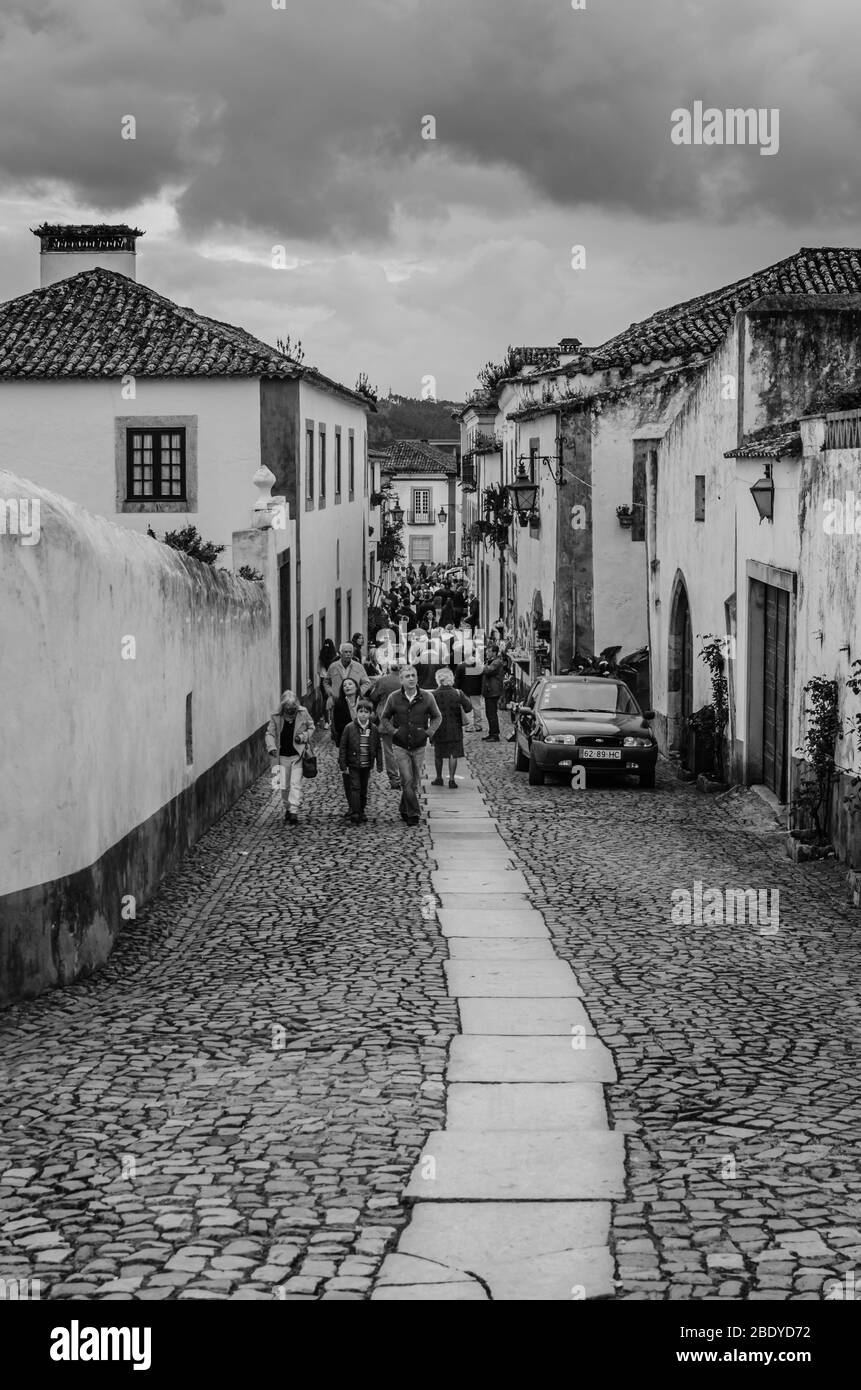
(524, 493)
(762, 493)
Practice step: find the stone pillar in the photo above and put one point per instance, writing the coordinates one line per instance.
(258, 549)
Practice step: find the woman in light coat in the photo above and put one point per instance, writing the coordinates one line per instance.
(290, 729)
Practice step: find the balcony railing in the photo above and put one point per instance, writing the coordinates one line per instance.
(843, 430)
(467, 473)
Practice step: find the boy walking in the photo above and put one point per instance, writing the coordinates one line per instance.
(359, 751)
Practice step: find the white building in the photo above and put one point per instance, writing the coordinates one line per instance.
(151, 414)
(423, 482)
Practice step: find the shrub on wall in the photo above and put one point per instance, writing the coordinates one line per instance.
(189, 540)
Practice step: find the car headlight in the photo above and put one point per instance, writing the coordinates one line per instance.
(635, 742)
(560, 738)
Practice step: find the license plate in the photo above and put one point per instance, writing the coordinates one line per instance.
(608, 754)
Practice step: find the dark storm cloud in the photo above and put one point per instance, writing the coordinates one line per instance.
(306, 123)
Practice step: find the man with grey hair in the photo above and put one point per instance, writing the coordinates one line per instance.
(414, 717)
(345, 666)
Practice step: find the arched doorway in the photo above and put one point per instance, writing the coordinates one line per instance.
(680, 669)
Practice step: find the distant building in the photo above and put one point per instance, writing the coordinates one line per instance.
(423, 479)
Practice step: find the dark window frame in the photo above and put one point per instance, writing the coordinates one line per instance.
(351, 463)
(338, 463)
(309, 464)
(699, 497)
(157, 432)
(321, 465)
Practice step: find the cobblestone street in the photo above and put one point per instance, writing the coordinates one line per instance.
(234, 1106)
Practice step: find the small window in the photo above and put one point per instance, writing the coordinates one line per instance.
(351, 463)
(349, 612)
(338, 628)
(699, 497)
(321, 463)
(337, 463)
(309, 462)
(156, 465)
(189, 731)
(310, 653)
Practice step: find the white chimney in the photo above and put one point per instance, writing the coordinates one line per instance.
(66, 250)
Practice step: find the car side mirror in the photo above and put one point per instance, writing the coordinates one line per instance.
(649, 714)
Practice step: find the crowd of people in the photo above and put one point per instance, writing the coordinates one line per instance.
(384, 704)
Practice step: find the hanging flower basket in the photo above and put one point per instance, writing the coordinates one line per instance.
(625, 517)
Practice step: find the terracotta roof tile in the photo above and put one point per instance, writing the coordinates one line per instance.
(414, 456)
(771, 442)
(102, 324)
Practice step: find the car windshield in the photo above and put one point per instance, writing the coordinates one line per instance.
(601, 696)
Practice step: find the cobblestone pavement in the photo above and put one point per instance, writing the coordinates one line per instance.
(232, 1107)
(737, 1052)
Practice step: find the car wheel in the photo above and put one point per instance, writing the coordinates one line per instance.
(536, 776)
(647, 778)
(521, 762)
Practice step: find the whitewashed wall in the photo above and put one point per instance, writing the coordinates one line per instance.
(97, 795)
(61, 435)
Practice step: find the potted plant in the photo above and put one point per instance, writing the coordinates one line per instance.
(625, 517)
(811, 804)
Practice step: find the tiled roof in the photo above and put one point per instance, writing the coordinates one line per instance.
(699, 325)
(102, 324)
(771, 442)
(414, 456)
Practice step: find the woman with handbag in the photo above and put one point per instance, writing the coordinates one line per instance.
(287, 741)
(453, 705)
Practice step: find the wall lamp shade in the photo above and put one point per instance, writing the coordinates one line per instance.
(442, 516)
(397, 513)
(762, 493)
(524, 494)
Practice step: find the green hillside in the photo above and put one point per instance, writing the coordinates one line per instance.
(402, 417)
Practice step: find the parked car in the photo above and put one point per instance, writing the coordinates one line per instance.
(589, 721)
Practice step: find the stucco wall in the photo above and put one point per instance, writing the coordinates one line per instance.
(61, 435)
(700, 552)
(98, 797)
(829, 612)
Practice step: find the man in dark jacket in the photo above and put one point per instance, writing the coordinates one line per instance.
(414, 717)
(491, 689)
(359, 750)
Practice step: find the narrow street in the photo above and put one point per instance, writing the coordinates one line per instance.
(239, 1104)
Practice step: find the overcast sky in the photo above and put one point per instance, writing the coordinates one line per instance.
(259, 127)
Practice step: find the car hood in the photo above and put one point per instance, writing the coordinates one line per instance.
(588, 724)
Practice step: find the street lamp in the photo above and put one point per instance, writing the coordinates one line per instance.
(397, 513)
(524, 493)
(442, 516)
(762, 493)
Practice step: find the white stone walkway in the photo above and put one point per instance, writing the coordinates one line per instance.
(512, 1198)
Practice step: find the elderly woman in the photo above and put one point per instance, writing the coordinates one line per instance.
(287, 736)
(448, 740)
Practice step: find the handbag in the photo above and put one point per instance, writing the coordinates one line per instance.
(309, 763)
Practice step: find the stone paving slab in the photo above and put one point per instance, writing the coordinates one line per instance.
(484, 923)
(526, 1250)
(481, 881)
(482, 980)
(550, 1058)
(575, 1106)
(488, 902)
(500, 948)
(531, 1017)
(471, 1292)
(507, 1165)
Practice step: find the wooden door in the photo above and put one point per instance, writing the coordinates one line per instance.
(775, 689)
(285, 621)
